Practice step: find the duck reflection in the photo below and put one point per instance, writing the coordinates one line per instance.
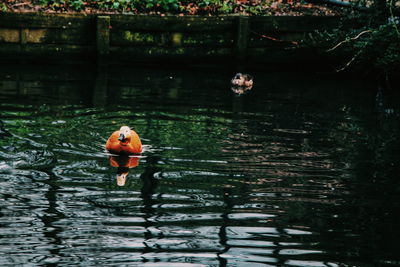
(123, 163)
(240, 90)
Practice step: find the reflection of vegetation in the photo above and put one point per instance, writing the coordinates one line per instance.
(378, 138)
(196, 135)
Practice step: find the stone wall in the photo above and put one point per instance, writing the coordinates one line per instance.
(144, 38)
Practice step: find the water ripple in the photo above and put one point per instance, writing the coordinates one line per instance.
(277, 177)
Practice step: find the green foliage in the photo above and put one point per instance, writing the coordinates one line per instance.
(113, 5)
(254, 10)
(381, 46)
(3, 7)
(387, 38)
(161, 6)
(228, 6)
(77, 4)
(373, 46)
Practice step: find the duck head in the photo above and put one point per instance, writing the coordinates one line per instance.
(124, 134)
(237, 79)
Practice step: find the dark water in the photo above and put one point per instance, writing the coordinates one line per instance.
(303, 170)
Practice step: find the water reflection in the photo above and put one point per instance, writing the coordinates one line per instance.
(290, 174)
(123, 163)
(240, 90)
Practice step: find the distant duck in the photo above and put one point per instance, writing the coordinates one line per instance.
(242, 80)
(124, 142)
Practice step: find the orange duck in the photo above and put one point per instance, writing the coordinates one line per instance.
(124, 142)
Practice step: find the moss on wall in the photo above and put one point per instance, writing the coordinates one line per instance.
(146, 36)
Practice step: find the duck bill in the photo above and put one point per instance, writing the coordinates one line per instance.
(121, 137)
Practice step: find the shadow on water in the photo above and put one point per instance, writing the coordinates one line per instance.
(301, 170)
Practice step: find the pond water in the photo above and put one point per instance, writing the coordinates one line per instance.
(302, 170)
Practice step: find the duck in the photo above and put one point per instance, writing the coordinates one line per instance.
(125, 141)
(242, 80)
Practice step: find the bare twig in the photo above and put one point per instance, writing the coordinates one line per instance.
(21, 4)
(349, 62)
(274, 39)
(348, 40)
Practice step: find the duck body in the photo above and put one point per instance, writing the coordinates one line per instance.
(124, 142)
(242, 80)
